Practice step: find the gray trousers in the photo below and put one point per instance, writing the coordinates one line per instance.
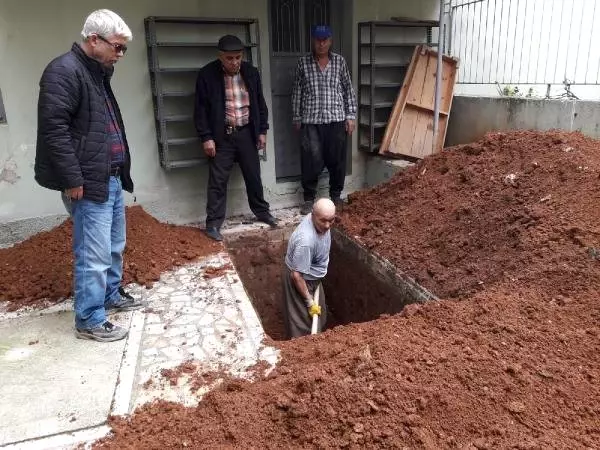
(297, 320)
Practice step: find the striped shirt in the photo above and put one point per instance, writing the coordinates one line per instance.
(323, 96)
(308, 251)
(115, 138)
(237, 101)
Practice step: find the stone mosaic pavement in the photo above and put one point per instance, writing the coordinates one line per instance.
(198, 313)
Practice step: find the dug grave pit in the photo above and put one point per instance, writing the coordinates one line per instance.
(359, 286)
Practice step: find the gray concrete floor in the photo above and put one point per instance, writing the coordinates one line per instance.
(52, 382)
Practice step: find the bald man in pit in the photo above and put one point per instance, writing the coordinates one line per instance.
(306, 264)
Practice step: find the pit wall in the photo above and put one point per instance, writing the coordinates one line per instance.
(471, 117)
(360, 286)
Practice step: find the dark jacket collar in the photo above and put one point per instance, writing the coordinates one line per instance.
(95, 68)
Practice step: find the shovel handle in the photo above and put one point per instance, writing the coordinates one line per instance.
(315, 319)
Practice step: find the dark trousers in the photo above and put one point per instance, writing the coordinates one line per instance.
(297, 320)
(323, 146)
(237, 147)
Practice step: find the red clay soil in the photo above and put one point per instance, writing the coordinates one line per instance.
(260, 264)
(38, 271)
(458, 225)
(509, 360)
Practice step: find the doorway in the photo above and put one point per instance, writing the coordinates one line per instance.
(289, 32)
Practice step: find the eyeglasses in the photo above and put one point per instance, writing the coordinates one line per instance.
(119, 48)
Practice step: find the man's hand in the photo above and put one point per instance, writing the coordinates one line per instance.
(75, 193)
(350, 125)
(262, 142)
(209, 148)
(297, 126)
(314, 310)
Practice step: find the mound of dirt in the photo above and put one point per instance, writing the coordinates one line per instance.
(493, 372)
(518, 208)
(509, 226)
(39, 270)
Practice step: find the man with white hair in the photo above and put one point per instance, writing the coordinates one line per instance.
(306, 263)
(82, 152)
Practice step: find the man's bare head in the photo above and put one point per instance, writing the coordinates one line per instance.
(323, 214)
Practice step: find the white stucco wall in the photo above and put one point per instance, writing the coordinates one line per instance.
(33, 32)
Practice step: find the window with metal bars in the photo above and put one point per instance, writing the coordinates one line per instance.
(292, 20)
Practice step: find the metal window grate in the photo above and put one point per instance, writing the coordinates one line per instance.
(286, 35)
(289, 33)
(2, 112)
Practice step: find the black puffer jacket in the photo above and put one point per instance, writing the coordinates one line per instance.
(72, 141)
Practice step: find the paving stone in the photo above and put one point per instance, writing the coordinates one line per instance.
(185, 279)
(232, 315)
(185, 319)
(193, 310)
(165, 290)
(192, 340)
(173, 353)
(206, 320)
(150, 352)
(154, 328)
(151, 360)
(152, 318)
(212, 345)
(196, 352)
(176, 298)
(177, 331)
(223, 326)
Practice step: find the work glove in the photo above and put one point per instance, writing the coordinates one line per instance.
(314, 310)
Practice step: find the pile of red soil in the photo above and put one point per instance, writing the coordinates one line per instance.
(515, 208)
(39, 270)
(510, 226)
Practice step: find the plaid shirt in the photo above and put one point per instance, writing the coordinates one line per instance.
(115, 137)
(237, 101)
(323, 96)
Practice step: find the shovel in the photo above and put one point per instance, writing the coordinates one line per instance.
(315, 319)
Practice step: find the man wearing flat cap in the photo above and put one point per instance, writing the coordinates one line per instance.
(231, 118)
(324, 111)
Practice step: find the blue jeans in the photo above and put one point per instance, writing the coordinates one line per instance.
(98, 244)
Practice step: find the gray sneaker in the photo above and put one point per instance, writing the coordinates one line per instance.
(306, 207)
(107, 332)
(125, 303)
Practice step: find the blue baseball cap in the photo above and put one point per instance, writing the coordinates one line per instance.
(321, 32)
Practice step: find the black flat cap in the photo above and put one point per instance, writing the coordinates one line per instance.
(229, 43)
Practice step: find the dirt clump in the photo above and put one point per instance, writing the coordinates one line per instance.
(509, 358)
(39, 270)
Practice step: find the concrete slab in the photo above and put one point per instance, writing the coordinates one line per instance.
(52, 382)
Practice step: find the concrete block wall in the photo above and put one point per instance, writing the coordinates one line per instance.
(472, 117)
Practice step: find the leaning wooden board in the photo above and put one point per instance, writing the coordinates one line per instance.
(409, 131)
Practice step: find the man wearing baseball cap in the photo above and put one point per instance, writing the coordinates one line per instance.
(324, 111)
(231, 118)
